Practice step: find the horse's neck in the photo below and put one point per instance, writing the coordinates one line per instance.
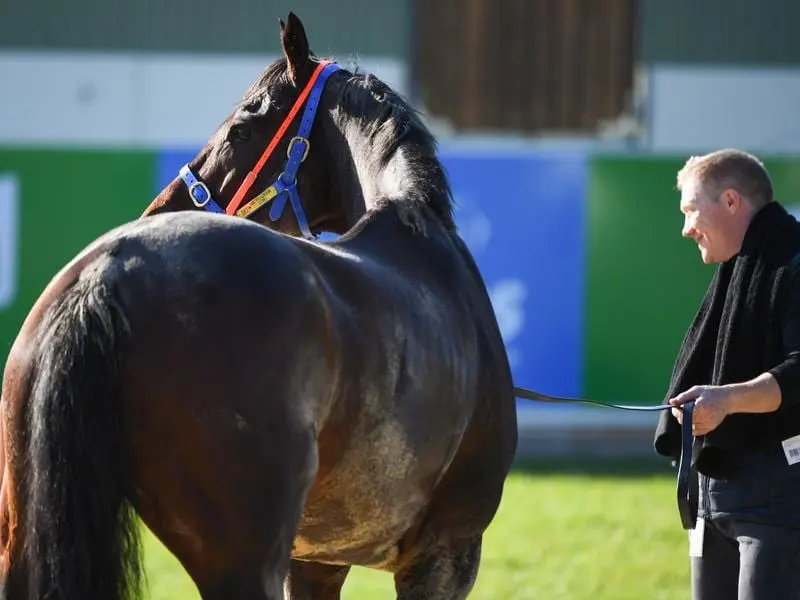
(401, 184)
(390, 194)
(367, 181)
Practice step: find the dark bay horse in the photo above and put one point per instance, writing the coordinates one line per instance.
(274, 408)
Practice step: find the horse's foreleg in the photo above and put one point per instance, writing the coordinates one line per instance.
(446, 571)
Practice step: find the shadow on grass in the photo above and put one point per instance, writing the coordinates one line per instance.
(595, 466)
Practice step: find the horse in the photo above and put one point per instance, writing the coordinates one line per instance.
(275, 408)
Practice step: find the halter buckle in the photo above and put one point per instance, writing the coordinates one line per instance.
(302, 140)
(199, 203)
(288, 184)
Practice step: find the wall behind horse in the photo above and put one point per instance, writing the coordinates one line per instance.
(591, 282)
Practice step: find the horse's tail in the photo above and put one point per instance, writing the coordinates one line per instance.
(82, 536)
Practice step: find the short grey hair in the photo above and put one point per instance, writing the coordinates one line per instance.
(729, 168)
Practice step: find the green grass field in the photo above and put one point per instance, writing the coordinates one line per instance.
(598, 531)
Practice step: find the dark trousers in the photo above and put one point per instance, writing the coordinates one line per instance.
(751, 540)
(747, 561)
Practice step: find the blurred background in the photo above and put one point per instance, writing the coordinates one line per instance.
(562, 125)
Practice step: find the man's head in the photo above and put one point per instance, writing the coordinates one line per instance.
(720, 193)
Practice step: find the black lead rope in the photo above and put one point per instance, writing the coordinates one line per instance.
(687, 476)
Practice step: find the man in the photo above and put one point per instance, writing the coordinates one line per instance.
(740, 364)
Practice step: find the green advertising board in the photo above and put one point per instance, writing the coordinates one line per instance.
(644, 281)
(53, 203)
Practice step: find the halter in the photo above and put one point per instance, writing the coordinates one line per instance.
(285, 186)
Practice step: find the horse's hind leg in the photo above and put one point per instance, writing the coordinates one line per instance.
(14, 431)
(443, 572)
(13, 572)
(232, 523)
(246, 584)
(224, 494)
(316, 581)
(233, 540)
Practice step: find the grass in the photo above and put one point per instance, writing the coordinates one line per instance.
(600, 531)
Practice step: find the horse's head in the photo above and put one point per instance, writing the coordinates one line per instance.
(310, 147)
(265, 155)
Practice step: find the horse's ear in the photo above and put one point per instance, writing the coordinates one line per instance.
(295, 45)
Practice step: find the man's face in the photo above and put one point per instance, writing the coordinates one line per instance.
(709, 221)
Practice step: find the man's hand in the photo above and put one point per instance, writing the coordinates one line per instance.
(712, 404)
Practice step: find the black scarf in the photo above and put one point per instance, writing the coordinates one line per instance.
(735, 336)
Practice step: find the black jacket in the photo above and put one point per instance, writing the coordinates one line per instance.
(747, 324)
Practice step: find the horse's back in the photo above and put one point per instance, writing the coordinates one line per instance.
(198, 291)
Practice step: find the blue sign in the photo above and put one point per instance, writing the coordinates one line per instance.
(523, 217)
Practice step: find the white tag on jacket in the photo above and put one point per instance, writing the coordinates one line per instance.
(791, 448)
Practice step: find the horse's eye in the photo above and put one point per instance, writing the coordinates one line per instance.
(240, 131)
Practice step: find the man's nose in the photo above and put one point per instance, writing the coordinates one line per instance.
(688, 229)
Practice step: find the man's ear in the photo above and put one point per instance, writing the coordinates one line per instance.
(731, 199)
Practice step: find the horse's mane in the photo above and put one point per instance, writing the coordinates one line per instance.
(396, 152)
